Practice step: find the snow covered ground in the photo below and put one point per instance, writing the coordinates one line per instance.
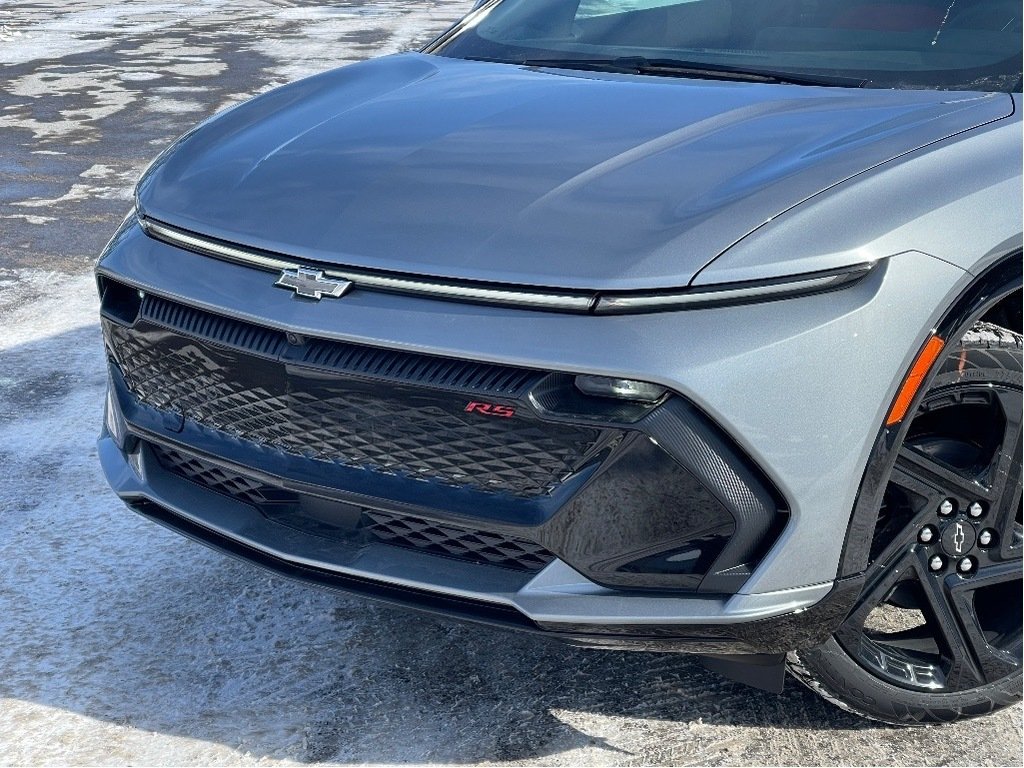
(123, 644)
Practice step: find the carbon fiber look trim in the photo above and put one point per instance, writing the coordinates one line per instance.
(700, 447)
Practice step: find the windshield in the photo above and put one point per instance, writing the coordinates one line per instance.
(946, 44)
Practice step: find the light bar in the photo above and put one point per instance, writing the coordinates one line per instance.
(730, 293)
(581, 302)
(564, 302)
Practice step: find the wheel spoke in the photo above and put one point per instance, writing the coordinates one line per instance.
(955, 641)
(994, 662)
(1006, 521)
(924, 476)
(1006, 462)
(1012, 406)
(897, 535)
(919, 639)
(951, 632)
(881, 581)
(1005, 513)
(972, 660)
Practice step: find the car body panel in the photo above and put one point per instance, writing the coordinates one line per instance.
(908, 203)
(469, 170)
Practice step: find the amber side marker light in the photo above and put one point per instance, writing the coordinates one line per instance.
(912, 383)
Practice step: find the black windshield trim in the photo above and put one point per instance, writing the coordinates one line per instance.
(639, 65)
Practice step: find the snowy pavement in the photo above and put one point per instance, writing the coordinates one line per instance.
(123, 644)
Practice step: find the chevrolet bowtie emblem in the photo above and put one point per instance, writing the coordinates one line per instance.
(312, 284)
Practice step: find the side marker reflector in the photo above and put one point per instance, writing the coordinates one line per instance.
(914, 379)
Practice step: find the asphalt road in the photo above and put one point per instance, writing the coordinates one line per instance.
(123, 644)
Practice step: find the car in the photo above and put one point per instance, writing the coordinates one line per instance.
(670, 325)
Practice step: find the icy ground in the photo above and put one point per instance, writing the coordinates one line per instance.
(123, 644)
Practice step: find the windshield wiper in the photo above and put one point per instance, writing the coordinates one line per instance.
(640, 65)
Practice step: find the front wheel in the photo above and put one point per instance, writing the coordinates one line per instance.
(936, 633)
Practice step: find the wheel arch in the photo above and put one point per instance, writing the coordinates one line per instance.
(994, 296)
(1006, 312)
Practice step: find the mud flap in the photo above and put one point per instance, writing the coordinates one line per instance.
(764, 671)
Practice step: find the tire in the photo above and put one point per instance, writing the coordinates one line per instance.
(928, 641)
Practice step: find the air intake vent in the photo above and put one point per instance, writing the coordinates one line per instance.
(341, 357)
(216, 328)
(424, 370)
(460, 543)
(457, 542)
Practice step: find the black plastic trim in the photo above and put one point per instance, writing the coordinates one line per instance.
(376, 363)
(432, 602)
(764, 671)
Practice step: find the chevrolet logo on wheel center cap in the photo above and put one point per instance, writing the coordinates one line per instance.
(312, 284)
(958, 538)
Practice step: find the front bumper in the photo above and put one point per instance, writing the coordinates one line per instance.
(557, 602)
(800, 385)
(797, 386)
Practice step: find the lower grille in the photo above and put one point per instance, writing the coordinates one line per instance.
(457, 542)
(210, 475)
(452, 541)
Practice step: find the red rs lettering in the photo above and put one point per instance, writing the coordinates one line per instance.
(491, 409)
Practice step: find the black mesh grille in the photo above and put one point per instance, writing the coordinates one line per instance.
(388, 428)
(396, 530)
(452, 541)
(210, 475)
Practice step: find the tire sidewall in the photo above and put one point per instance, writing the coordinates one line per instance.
(846, 680)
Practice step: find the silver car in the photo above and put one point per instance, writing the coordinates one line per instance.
(655, 324)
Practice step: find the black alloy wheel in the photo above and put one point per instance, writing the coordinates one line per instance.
(936, 633)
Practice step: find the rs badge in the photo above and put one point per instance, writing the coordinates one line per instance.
(491, 409)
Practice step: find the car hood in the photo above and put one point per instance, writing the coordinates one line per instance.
(471, 170)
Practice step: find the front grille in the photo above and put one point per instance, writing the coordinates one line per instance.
(460, 543)
(374, 419)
